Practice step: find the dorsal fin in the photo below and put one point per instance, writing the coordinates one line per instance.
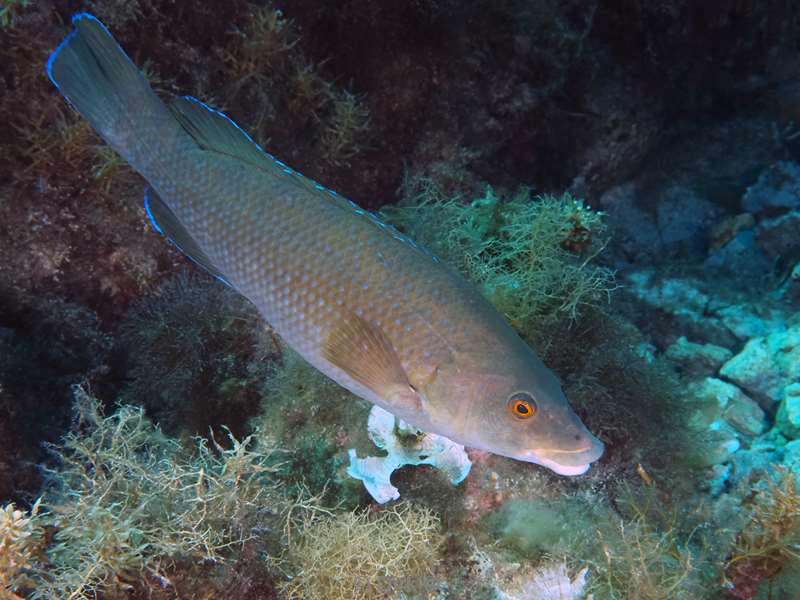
(167, 224)
(213, 131)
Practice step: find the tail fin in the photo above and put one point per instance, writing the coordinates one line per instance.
(96, 76)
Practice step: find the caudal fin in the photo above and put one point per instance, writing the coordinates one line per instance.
(96, 76)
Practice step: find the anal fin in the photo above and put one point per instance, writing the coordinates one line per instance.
(167, 224)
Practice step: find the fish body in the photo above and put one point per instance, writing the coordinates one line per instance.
(358, 300)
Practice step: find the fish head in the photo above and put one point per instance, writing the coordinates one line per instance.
(512, 407)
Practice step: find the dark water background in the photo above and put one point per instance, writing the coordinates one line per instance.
(678, 120)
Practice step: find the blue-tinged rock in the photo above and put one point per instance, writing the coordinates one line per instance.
(767, 364)
(757, 459)
(745, 415)
(777, 187)
(653, 226)
(720, 400)
(633, 229)
(673, 295)
(683, 218)
(791, 457)
(788, 418)
(697, 358)
(742, 257)
(779, 236)
(701, 316)
(747, 321)
(747, 465)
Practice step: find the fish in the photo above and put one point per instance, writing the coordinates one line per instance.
(361, 302)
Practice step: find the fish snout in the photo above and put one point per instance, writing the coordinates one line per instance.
(571, 460)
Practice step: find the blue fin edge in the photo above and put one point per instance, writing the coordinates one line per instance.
(229, 120)
(75, 18)
(171, 241)
(150, 213)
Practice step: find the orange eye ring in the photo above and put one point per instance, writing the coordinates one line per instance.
(522, 405)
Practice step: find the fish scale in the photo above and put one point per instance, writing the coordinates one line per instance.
(303, 255)
(357, 299)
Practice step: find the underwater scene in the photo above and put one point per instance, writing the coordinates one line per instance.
(399, 300)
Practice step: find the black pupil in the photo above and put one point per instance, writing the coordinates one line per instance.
(522, 408)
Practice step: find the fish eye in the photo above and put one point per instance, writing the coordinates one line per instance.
(522, 405)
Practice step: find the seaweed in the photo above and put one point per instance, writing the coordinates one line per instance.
(770, 540)
(269, 75)
(346, 125)
(535, 529)
(126, 503)
(317, 420)
(196, 354)
(9, 11)
(652, 550)
(20, 537)
(534, 258)
(363, 555)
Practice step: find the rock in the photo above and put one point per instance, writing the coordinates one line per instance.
(633, 229)
(404, 446)
(750, 464)
(791, 457)
(789, 290)
(767, 364)
(745, 415)
(700, 316)
(746, 321)
(651, 227)
(673, 295)
(727, 229)
(646, 351)
(778, 236)
(719, 444)
(744, 467)
(718, 481)
(788, 418)
(722, 400)
(741, 257)
(698, 358)
(777, 186)
(683, 218)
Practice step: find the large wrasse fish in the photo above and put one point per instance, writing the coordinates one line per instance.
(358, 300)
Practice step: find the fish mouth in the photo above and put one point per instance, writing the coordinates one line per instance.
(567, 462)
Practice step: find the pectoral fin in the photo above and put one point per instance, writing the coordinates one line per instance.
(362, 350)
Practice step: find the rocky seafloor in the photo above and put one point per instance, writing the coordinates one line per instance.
(652, 147)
